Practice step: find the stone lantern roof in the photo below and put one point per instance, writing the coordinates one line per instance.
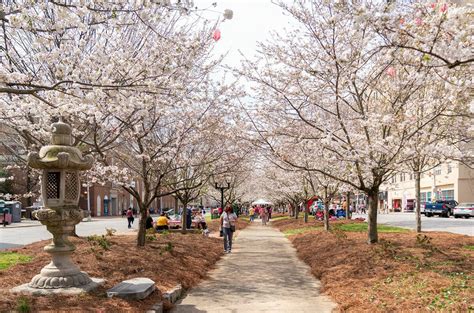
(60, 154)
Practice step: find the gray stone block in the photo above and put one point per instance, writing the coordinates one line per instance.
(174, 294)
(135, 288)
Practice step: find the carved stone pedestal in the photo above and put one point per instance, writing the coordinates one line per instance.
(61, 275)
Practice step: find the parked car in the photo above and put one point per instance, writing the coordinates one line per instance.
(443, 208)
(464, 210)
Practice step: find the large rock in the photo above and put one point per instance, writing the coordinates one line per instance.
(174, 294)
(135, 288)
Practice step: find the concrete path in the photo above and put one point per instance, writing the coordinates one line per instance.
(262, 274)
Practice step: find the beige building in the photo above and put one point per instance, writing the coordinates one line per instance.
(448, 181)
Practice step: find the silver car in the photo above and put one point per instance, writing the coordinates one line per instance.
(464, 210)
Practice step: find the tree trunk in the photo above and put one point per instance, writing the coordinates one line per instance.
(29, 187)
(326, 214)
(176, 208)
(418, 203)
(348, 211)
(297, 211)
(326, 209)
(184, 218)
(372, 233)
(141, 239)
(306, 211)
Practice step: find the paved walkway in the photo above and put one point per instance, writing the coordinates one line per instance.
(262, 274)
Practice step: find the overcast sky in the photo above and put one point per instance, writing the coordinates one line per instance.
(252, 22)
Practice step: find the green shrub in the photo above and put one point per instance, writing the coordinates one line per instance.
(169, 246)
(164, 232)
(425, 242)
(150, 237)
(101, 241)
(23, 305)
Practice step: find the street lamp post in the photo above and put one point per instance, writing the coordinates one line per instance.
(222, 188)
(89, 218)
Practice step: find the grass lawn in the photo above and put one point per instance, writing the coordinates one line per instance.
(279, 218)
(8, 259)
(468, 247)
(297, 231)
(363, 227)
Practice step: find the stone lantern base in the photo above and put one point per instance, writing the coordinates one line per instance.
(61, 275)
(25, 288)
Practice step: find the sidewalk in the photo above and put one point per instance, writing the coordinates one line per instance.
(23, 223)
(32, 223)
(262, 274)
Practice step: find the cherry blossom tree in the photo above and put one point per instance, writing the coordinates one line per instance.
(438, 32)
(133, 79)
(331, 85)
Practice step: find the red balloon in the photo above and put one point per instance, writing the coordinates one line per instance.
(217, 35)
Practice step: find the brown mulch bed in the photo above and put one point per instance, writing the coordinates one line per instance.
(402, 273)
(169, 260)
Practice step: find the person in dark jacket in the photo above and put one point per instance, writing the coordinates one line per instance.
(189, 218)
(149, 221)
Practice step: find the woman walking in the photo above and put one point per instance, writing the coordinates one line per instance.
(264, 216)
(228, 219)
(130, 217)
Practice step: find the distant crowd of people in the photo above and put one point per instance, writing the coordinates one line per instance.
(264, 212)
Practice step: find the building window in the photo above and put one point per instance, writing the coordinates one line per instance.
(425, 197)
(437, 171)
(450, 168)
(402, 177)
(447, 195)
(411, 176)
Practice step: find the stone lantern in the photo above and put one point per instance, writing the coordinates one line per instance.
(60, 189)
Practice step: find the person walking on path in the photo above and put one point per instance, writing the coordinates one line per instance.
(130, 217)
(251, 214)
(228, 219)
(264, 216)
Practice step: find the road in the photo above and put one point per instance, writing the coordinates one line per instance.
(31, 231)
(407, 220)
